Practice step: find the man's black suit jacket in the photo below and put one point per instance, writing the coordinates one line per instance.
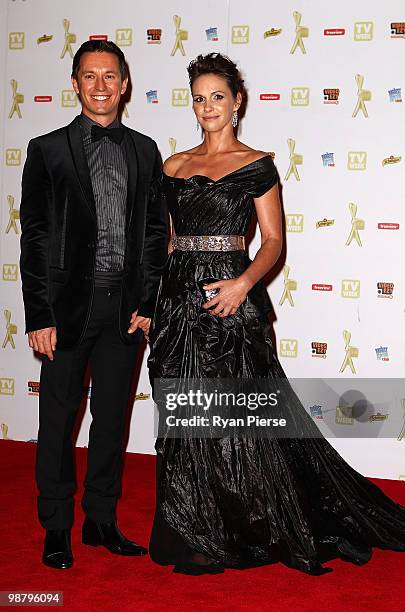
(59, 233)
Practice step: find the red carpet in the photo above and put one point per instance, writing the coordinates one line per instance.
(100, 581)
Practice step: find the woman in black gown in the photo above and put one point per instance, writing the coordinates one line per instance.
(242, 501)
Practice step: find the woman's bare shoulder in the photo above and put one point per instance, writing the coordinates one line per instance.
(174, 162)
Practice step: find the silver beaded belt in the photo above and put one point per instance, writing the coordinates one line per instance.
(209, 243)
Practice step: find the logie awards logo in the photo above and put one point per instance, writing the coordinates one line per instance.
(11, 330)
(357, 224)
(18, 99)
(350, 353)
(363, 95)
(289, 285)
(14, 215)
(295, 160)
(181, 35)
(172, 145)
(70, 39)
(301, 32)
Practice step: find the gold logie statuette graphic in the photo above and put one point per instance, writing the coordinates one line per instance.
(16, 40)
(69, 40)
(301, 32)
(172, 145)
(18, 99)
(402, 432)
(392, 159)
(11, 330)
(14, 215)
(363, 95)
(289, 285)
(4, 431)
(350, 352)
(180, 36)
(357, 224)
(295, 160)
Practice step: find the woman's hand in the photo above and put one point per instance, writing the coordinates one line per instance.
(232, 293)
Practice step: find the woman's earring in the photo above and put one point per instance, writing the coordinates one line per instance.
(235, 119)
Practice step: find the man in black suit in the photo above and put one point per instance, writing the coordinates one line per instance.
(93, 245)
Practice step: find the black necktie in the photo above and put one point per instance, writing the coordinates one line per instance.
(114, 134)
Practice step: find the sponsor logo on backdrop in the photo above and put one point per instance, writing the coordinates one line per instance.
(42, 98)
(98, 37)
(398, 29)
(402, 432)
(288, 347)
(154, 36)
(301, 32)
(11, 330)
(351, 352)
(180, 97)
(374, 418)
(13, 157)
(328, 159)
(295, 160)
(334, 32)
(240, 34)
(44, 39)
(319, 349)
(14, 215)
(331, 95)
(181, 36)
(7, 386)
(357, 225)
(363, 30)
(395, 94)
(10, 272)
(289, 285)
(142, 396)
(324, 223)
(344, 415)
(69, 98)
(33, 387)
(381, 353)
(212, 34)
(17, 99)
(4, 431)
(16, 40)
(316, 411)
(172, 145)
(272, 32)
(385, 290)
(70, 39)
(363, 96)
(300, 96)
(388, 226)
(321, 287)
(294, 223)
(123, 37)
(152, 96)
(392, 159)
(350, 288)
(270, 96)
(357, 160)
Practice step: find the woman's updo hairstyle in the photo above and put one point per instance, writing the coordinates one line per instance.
(221, 65)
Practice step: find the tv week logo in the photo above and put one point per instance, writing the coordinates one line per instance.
(180, 97)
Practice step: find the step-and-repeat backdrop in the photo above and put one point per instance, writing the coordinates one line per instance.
(325, 85)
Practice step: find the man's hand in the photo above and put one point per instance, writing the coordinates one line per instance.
(43, 341)
(142, 322)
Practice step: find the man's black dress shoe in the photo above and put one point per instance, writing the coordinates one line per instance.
(109, 536)
(57, 549)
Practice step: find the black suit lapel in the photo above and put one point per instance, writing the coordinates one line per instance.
(133, 172)
(80, 162)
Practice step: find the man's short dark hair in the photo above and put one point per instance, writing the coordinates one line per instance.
(107, 46)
